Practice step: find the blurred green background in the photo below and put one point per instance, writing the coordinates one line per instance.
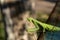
(1, 28)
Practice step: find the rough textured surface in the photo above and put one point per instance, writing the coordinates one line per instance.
(44, 6)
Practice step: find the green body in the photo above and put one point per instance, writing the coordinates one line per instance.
(44, 25)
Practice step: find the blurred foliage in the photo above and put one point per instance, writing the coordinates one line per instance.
(0, 15)
(42, 16)
(1, 29)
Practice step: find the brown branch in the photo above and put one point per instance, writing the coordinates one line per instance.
(52, 12)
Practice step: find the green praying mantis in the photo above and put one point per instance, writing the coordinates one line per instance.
(44, 25)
